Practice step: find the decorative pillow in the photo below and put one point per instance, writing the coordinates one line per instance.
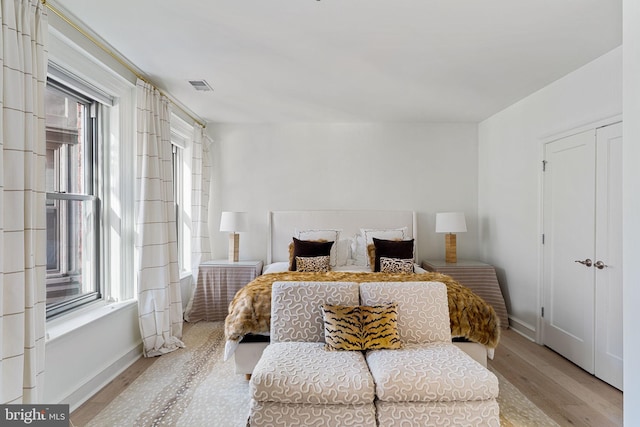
(361, 327)
(292, 256)
(359, 250)
(401, 233)
(384, 233)
(380, 326)
(342, 327)
(371, 255)
(396, 265)
(343, 251)
(307, 248)
(322, 235)
(402, 249)
(308, 264)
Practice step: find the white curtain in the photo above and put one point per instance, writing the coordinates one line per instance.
(159, 300)
(201, 181)
(23, 236)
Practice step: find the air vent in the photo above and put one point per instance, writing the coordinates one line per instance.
(200, 85)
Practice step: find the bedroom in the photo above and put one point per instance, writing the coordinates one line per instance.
(495, 180)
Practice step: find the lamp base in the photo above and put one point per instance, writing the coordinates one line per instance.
(234, 247)
(450, 248)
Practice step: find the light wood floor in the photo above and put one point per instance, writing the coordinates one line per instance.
(569, 395)
(566, 393)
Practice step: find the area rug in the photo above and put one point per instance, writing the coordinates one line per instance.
(193, 387)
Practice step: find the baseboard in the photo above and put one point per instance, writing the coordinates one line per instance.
(522, 328)
(101, 379)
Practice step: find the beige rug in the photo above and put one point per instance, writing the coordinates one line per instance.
(193, 387)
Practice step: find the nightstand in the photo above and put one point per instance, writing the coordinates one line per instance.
(479, 277)
(218, 282)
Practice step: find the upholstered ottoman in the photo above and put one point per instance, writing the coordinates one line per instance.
(430, 381)
(298, 382)
(434, 384)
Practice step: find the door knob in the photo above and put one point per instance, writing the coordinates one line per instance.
(586, 262)
(600, 265)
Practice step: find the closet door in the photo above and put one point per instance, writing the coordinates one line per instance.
(569, 224)
(608, 255)
(582, 271)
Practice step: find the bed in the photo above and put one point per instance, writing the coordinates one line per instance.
(474, 323)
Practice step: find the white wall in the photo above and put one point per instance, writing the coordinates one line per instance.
(423, 167)
(80, 361)
(510, 147)
(631, 211)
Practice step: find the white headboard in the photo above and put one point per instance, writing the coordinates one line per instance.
(283, 225)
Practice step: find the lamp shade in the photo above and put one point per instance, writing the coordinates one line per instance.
(233, 221)
(450, 222)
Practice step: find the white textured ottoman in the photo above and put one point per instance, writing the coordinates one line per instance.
(429, 382)
(433, 384)
(299, 383)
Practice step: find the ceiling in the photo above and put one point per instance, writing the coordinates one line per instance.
(352, 60)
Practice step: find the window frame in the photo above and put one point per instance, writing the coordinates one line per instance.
(182, 144)
(97, 74)
(117, 134)
(60, 194)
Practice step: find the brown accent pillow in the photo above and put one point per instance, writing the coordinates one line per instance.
(402, 249)
(307, 248)
(291, 257)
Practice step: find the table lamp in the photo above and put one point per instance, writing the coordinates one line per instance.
(233, 222)
(450, 223)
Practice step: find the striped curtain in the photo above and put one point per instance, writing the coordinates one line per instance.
(201, 183)
(23, 59)
(159, 300)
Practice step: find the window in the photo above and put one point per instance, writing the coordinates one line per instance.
(178, 168)
(72, 206)
(90, 193)
(181, 141)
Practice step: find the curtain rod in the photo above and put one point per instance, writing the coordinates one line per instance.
(113, 55)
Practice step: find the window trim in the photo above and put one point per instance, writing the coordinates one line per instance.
(91, 161)
(117, 195)
(78, 84)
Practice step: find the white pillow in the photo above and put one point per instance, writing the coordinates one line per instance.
(328, 235)
(343, 252)
(359, 251)
(368, 234)
(386, 234)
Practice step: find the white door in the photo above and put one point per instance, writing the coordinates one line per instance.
(583, 250)
(608, 328)
(569, 223)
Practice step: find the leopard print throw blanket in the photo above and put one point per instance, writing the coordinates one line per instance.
(471, 317)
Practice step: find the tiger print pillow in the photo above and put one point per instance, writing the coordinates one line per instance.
(396, 265)
(380, 326)
(307, 264)
(361, 327)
